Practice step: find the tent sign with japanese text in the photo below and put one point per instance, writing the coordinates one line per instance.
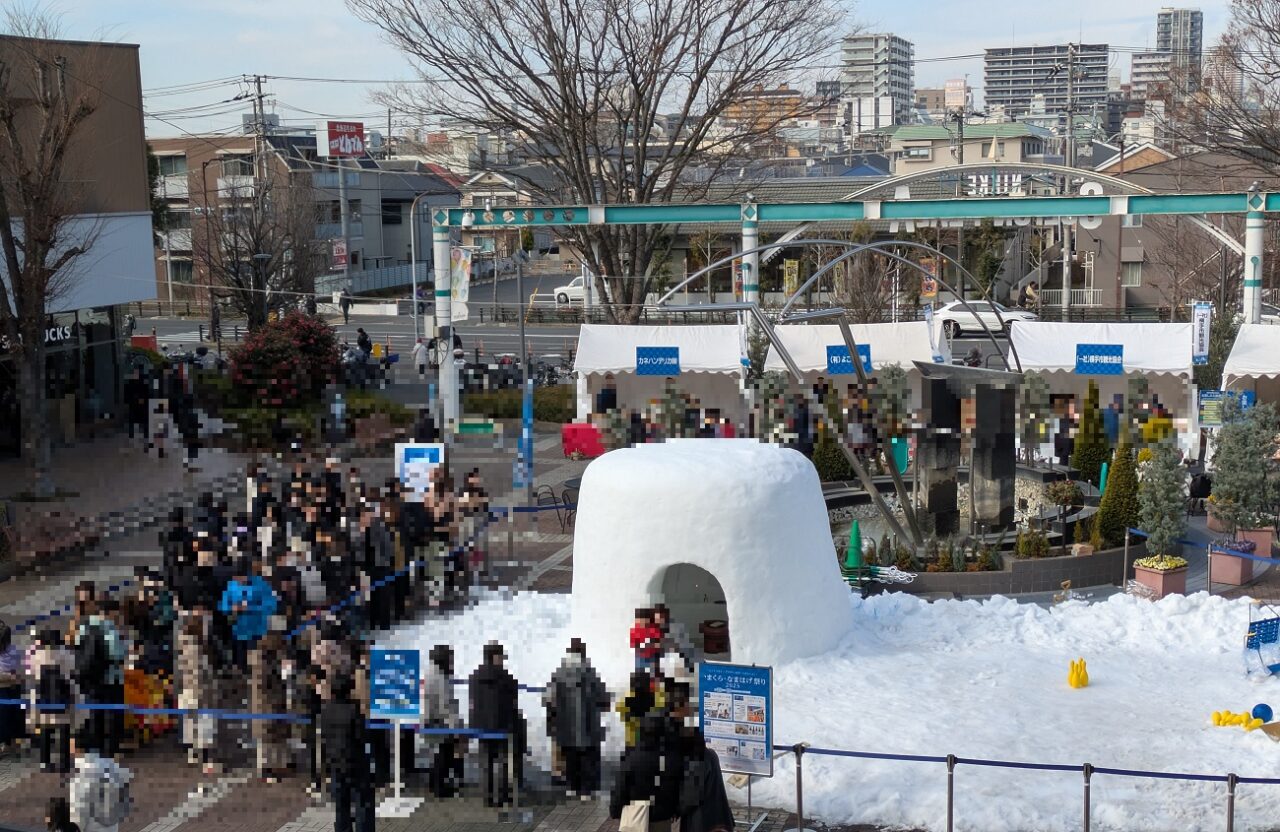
(735, 708)
(339, 139)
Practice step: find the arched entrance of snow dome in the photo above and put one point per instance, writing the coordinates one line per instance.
(698, 607)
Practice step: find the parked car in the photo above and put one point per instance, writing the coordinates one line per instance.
(956, 319)
(573, 292)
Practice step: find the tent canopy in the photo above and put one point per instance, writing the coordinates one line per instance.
(604, 348)
(1155, 349)
(900, 344)
(1256, 354)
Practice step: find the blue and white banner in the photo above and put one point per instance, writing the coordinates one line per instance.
(839, 363)
(522, 469)
(657, 361)
(414, 461)
(1100, 359)
(1201, 318)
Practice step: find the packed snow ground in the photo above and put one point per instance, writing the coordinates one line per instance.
(983, 680)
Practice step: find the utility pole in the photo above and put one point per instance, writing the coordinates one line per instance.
(960, 118)
(259, 128)
(1071, 105)
(344, 216)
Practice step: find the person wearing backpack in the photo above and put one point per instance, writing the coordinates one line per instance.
(99, 793)
(100, 655)
(345, 741)
(52, 693)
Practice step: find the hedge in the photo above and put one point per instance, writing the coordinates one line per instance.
(550, 404)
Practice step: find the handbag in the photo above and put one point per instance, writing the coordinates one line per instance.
(635, 817)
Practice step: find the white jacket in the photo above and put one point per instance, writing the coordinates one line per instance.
(99, 793)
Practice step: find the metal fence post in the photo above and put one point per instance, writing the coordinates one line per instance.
(951, 791)
(1208, 566)
(1231, 802)
(799, 749)
(1088, 772)
(1124, 575)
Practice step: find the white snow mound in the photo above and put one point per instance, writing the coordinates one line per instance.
(984, 680)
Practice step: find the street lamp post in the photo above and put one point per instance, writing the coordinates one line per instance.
(413, 258)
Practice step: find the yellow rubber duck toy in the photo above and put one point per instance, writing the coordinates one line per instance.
(1078, 675)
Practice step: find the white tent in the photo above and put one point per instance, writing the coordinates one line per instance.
(713, 354)
(1071, 354)
(900, 343)
(1147, 349)
(717, 529)
(1254, 361)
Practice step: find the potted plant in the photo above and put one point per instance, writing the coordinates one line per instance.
(1064, 494)
(1245, 484)
(1162, 498)
(1162, 574)
(1082, 545)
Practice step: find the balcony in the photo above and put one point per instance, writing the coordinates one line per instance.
(235, 187)
(174, 186)
(333, 230)
(1079, 297)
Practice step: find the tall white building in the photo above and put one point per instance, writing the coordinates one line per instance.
(1149, 75)
(879, 65)
(1180, 33)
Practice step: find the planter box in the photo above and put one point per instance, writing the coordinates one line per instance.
(1262, 537)
(1230, 570)
(1212, 521)
(1167, 582)
(1081, 549)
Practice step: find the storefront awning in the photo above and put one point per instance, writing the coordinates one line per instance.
(1256, 354)
(624, 349)
(901, 344)
(1100, 349)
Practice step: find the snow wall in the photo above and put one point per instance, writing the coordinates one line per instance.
(750, 513)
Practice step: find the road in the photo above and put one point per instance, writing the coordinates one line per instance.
(488, 338)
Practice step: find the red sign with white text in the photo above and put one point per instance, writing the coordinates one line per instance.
(339, 254)
(340, 139)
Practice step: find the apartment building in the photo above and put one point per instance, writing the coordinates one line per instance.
(879, 65)
(1180, 34)
(214, 171)
(1014, 76)
(1150, 75)
(764, 109)
(920, 147)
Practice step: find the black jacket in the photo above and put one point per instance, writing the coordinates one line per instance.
(494, 700)
(344, 738)
(704, 805)
(652, 769)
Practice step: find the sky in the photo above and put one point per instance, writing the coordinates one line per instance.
(185, 42)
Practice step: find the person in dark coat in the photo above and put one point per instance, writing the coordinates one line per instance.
(495, 710)
(11, 716)
(57, 818)
(345, 303)
(704, 804)
(364, 342)
(576, 700)
(653, 770)
(135, 397)
(344, 738)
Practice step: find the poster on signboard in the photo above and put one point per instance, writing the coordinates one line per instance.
(394, 691)
(459, 284)
(414, 462)
(735, 709)
(790, 277)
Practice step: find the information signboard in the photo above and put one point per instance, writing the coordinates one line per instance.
(735, 707)
(393, 684)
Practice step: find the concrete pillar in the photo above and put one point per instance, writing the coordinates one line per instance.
(750, 262)
(449, 395)
(993, 466)
(1253, 227)
(939, 456)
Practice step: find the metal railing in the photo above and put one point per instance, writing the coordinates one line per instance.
(1079, 297)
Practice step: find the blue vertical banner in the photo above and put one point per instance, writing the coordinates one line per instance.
(1201, 318)
(394, 691)
(735, 708)
(522, 472)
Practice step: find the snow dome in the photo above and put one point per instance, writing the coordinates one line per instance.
(717, 529)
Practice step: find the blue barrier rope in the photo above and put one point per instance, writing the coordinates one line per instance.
(1213, 547)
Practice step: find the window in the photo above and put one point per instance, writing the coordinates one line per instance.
(179, 220)
(172, 165)
(917, 153)
(986, 150)
(392, 213)
(182, 272)
(1131, 275)
(239, 165)
(1131, 221)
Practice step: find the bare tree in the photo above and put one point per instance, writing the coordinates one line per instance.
(1233, 105)
(258, 245)
(622, 100)
(43, 231)
(857, 282)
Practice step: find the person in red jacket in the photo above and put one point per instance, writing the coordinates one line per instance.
(646, 640)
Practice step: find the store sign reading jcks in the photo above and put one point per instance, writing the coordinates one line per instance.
(52, 335)
(657, 361)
